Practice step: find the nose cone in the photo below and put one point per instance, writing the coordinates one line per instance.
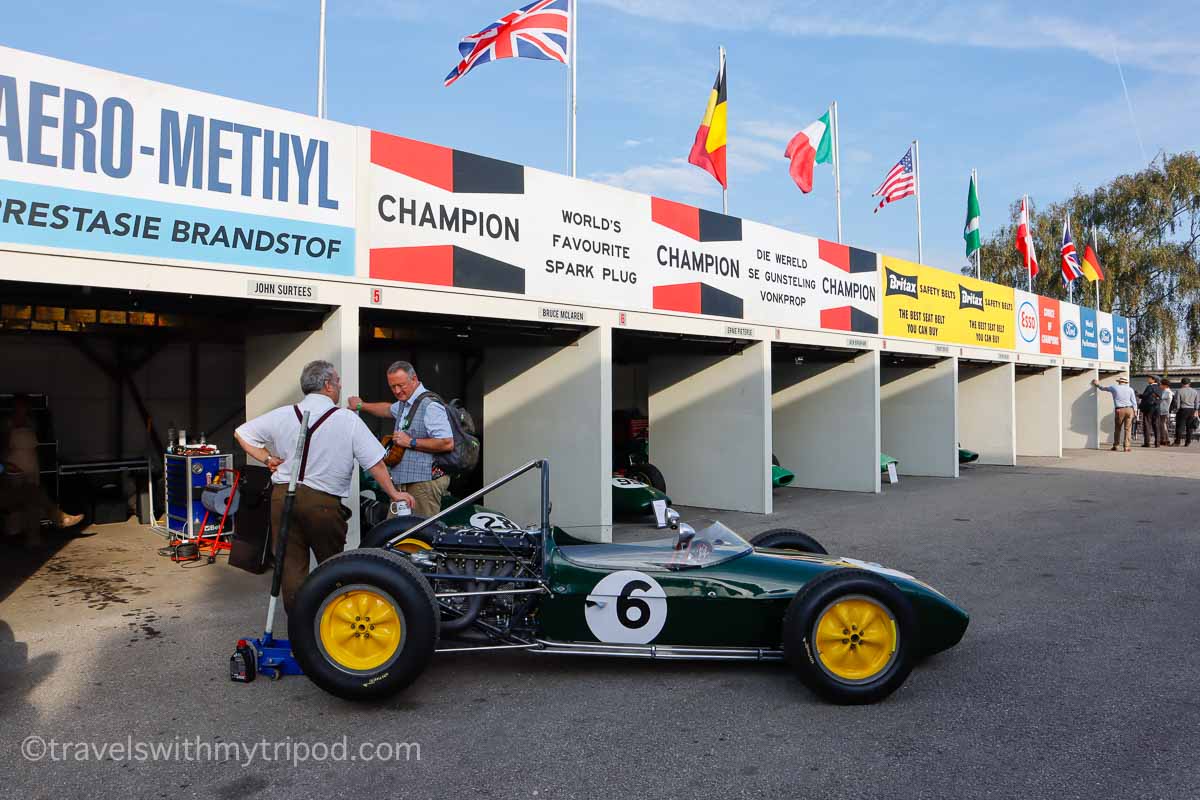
(943, 623)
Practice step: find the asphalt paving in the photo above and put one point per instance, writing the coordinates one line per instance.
(1076, 678)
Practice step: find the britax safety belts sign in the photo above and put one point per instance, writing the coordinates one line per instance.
(922, 302)
(99, 162)
(456, 221)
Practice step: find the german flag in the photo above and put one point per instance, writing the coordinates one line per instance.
(1091, 266)
(708, 152)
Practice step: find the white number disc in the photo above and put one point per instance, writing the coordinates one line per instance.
(491, 521)
(622, 482)
(626, 607)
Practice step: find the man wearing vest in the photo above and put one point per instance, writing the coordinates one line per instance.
(337, 438)
(422, 431)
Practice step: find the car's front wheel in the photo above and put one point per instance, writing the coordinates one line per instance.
(788, 539)
(364, 625)
(649, 474)
(851, 636)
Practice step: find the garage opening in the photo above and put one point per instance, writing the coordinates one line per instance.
(106, 373)
(918, 413)
(706, 406)
(534, 390)
(1081, 408)
(825, 415)
(987, 412)
(1039, 415)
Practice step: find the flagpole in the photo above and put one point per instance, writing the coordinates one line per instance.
(1029, 227)
(573, 44)
(1096, 243)
(321, 65)
(837, 169)
(1070, 283)
(917, 181)
(725, 188)
(978, 250)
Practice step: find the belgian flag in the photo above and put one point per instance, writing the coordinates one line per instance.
(708, 152)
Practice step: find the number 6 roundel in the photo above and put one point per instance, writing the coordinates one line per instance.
(626, 607)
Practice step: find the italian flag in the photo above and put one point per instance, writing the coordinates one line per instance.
(813, 145)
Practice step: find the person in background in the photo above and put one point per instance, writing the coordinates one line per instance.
(426, 434)
(23, 501)
(1149, 408)
(1166, 398)
(1124, 402)
(1186, 407)
(337, 439)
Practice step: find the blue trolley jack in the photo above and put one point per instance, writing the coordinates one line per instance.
(267, 655)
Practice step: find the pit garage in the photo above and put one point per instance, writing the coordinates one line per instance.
(107, 372)
(534, 389)
(1082, 408)
(1038, 390)
(707, 399)
(918, 413)
(987, 409)
(825, 415)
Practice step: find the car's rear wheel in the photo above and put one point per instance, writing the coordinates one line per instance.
(364, 625)
(851, 636)
(788, 539)
(649, 474)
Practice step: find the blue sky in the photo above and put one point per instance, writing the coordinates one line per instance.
(1029, 94)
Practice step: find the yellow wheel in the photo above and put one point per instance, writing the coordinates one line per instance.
(361, 628)
(851, 635)
(856, 638)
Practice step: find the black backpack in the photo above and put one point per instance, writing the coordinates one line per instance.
(464, 457)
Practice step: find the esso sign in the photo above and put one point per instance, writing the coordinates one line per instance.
(1027, 321)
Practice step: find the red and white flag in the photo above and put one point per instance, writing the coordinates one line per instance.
(1025, 241)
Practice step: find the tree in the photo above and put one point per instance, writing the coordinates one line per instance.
(1148, 227)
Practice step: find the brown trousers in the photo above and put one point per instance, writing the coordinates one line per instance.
(316, 524)
(427, 495)
(1124, 426)
(24, 504)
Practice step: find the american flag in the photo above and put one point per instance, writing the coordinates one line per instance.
(1070, 259)
(901, 182)
(538, 30)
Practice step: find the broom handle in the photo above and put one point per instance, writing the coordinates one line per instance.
(285, 517)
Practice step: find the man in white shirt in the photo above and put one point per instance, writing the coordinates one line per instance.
(1124, 402)
(337, 439)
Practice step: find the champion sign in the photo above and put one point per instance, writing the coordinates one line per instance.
(969, 299)
(1027, 321)
(901, 284)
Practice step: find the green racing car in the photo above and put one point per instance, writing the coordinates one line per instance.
(367, 622)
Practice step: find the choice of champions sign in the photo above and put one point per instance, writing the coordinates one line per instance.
(921, 302)
(453, 220)
(95, 161)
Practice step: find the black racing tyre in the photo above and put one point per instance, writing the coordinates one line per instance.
(364, 625)
(649, 474)
(788, 539)
(389, 528)
(774, 460)
(851, 636)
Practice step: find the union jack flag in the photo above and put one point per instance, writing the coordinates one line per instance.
(1070, 258)
(538, 30)
(901, 182)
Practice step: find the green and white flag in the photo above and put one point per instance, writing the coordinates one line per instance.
(971, 230)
